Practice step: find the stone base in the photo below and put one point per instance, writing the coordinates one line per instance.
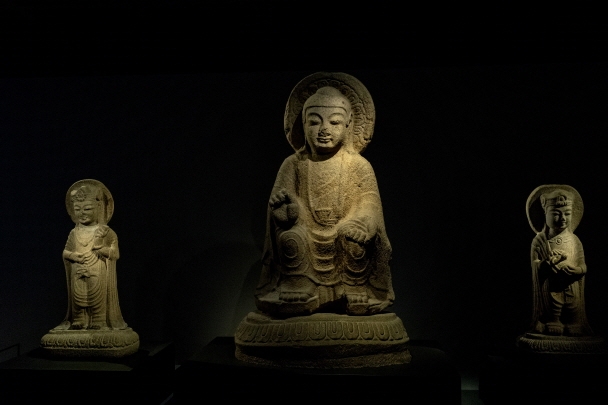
(539, 343)
(322, 340)
(90, 343)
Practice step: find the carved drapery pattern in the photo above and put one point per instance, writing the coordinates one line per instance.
(546, 344)
(84, 342)
(314, 331)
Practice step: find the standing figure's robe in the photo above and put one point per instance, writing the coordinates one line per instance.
(559, 292)
(92, 290)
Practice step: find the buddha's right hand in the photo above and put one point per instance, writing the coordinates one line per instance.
(284, 207)
(75, 257)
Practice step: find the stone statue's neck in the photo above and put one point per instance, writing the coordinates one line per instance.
(87, 226)
(315, 157)
(552, 233)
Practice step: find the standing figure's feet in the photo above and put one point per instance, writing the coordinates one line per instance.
(78, 325)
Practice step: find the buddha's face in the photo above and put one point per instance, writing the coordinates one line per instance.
(86, 212)
(326, 128)
(558, 218)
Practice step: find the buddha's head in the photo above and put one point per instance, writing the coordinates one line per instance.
(326, 117)
(87, 205)
(558, 209)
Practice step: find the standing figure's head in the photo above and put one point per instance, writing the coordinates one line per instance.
(327, 118)
(89, 203)
(554, 208)
(558, 209)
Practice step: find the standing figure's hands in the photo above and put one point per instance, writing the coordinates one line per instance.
(555, 258)
(100, 233)
(75, 257)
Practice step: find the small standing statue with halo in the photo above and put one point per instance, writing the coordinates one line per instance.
(559, 321)
(325, 282)
(93, 325)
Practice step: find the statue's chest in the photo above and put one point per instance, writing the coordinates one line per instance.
(83, 239)
(324, 189)
(565, 244)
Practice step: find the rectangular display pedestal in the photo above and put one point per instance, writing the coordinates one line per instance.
(512, 377)
(145, 377)
(215, 372)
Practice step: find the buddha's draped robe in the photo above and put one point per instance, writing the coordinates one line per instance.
(331, 194)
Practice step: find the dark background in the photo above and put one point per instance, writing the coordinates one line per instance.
(178, 110)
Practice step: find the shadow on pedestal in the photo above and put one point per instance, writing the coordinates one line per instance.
(430, 378)
(145, 377)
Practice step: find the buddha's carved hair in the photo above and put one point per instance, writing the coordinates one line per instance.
(85, 193)
(94, 191)
(327, 97)
(557, 198)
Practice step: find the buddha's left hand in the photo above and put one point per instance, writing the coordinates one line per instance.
(356, 231)
(102, 231)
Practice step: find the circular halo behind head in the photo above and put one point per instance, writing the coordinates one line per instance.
(536, 212)
(362, 107)
(91, 189)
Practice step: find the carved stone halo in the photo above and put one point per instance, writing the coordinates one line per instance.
(536, 214)
(107, 196)
(362, 106)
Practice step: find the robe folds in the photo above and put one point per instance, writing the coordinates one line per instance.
(93, 286)
(558, 289)
(332, 196)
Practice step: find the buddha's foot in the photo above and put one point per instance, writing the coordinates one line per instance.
(295, 296)
(286, 302)
(574, 329)
(357, 304)
(555, 328)
(357, 298)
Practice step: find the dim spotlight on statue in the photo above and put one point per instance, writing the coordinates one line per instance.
(93, 325)
(325, 285)
(559, 320)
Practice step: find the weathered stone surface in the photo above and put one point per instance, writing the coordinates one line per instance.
(323, 340)
(326, 243)
(91, 343)
(537, 342)
(93, 325)
(559, 320)
(326, 253)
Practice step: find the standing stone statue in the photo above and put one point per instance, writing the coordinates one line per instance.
(326, 257)
(93, 325)
(559, 320)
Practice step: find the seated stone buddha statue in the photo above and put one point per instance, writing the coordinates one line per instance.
(325, 281)
(326, 247)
